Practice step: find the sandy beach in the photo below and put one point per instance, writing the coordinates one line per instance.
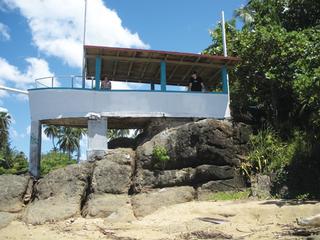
(272, 219)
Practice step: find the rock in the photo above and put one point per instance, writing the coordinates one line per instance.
(159, 179)
(59, 194)
(205, 142)
(147, 203)
(206, 173)
(158, 125)
(122, 142)
(13, 188)
(234, 184)
(313, 221)
(113, 207)
(6, 219)
(186, 176)
(52, 209)
(113, 174)
(261, 186)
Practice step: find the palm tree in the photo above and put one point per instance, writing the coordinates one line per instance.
(69, 140)
(245, 14)
(117, 133)
(79, 132)
(52, 131)
(5, 120)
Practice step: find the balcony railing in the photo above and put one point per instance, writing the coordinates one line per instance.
(75, 82)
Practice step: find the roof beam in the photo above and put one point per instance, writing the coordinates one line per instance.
(131, 63)
(189, 71)
(175, 69)
(193, 64)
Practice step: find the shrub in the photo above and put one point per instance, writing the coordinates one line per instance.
(54, 160)
(268, 154)
(160, 156)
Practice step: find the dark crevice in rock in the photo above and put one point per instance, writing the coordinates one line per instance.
(132, 189)
(88, 191)
(30, 193)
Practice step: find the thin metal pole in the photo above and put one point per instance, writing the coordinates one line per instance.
(224, 40)
(225, 54)
(84, 42)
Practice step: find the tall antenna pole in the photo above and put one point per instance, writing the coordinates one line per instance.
(84, 42)
(224, 39)
(225, 71)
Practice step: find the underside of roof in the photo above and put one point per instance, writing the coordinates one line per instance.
(143, 66)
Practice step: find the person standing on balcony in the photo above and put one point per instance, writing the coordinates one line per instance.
(195, 83)
(106, 84)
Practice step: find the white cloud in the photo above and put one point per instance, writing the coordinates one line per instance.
(4, 32)
(57, 27)
(3, 109)
(12, 76)
(15, 135)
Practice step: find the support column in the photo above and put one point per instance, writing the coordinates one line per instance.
(163, 76)
(97, 138)
(98, 72)
(35, 149)
(224, 76)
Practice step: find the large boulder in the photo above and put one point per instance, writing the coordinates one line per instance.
(13, 189)
(181, 177)
(204, 142)
(114, 173)
(146, 179)
(113, 207)
(59, 194)
(122, 142)
(144, 204)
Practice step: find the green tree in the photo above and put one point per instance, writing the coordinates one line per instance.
(117, 133)
(52, 131)
(79, 133)
(54, 160)
(68, 140)
(5, 120)
(279, 68)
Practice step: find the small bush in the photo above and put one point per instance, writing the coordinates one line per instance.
(54, 160)
(160, 156)
(268, 154)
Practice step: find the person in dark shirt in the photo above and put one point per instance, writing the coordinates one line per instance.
(195, 83)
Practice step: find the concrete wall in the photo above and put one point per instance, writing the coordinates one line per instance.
(68, 103)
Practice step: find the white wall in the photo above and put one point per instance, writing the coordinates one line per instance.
(67, 103)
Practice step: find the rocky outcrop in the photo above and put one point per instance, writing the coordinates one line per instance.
(113, 174)
(201, 158)
(112, 179)
(59, 194)
(146, 203)
(122, 142)
(112, 207)
(13, 189)
(200, 152)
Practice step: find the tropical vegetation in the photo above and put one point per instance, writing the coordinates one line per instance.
(276, 86)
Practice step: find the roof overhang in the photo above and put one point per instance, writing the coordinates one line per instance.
(143, 66)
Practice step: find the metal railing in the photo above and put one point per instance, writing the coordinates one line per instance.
(71, 81)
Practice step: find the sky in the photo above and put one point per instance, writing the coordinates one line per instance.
(41, 38)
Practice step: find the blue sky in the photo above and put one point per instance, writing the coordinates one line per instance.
(43, 38)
